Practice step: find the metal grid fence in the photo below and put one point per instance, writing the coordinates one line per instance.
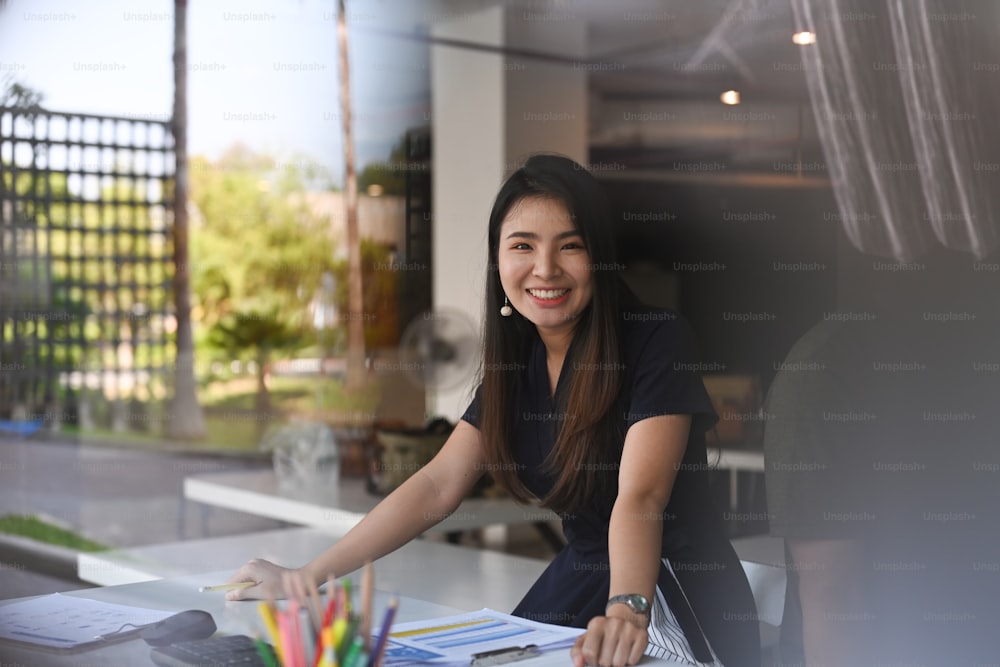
(85, 261)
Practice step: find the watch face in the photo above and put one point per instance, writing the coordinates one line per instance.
(638, 603)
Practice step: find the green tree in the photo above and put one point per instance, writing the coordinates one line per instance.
(258, 244)
(18, 95)
(259, 254)
(260, 332)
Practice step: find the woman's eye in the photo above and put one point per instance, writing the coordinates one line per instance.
(521, 246)
(573, 246)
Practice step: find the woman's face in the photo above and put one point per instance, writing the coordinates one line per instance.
(544, 267)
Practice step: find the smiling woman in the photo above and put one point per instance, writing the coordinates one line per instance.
(604, 422)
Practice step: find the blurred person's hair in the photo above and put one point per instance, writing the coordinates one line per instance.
(939, 280)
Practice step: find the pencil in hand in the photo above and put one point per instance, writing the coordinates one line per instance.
(227, 587)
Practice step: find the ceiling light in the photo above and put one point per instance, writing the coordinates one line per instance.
(730, 97)
(804, 38)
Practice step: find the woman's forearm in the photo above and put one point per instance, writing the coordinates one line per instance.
(403, 515)
(634, 537)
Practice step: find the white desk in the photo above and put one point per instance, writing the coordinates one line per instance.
(241, 617)
(338, 506)
(501, 579)
(176, 595)
(445, 572)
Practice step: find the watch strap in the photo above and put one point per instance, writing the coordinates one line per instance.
(629, 600)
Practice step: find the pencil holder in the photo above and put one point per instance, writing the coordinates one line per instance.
(334, 632)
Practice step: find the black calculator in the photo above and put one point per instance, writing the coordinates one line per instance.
(214, 652)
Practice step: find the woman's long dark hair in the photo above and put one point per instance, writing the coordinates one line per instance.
(593, 360)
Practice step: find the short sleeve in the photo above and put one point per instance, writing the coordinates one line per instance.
(471, 414)
(666, 373)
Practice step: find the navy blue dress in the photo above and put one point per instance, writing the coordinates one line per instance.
(708, 592)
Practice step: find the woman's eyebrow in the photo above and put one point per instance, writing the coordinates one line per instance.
(533, 235)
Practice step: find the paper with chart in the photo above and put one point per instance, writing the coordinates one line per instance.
(453, 639)
(66, 621)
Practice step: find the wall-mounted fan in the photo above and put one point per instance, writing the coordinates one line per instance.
(439, 349)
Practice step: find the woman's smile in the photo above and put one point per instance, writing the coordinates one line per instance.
(549, 297)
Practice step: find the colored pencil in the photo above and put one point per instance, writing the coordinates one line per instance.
(378, 654)
(367, 600)
(354, 653)
(265, 654)
(266, 611)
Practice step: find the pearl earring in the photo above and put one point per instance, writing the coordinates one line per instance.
(506, 310)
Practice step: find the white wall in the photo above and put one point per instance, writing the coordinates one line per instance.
(467, 101)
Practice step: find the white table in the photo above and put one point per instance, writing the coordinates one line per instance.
(178, 594)
(181, 593)
(341, 506)
(446, 573)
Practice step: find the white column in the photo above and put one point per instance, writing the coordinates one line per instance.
(491, 110)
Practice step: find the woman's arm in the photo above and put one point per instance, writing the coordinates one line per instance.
(425, 499)
(653, 451)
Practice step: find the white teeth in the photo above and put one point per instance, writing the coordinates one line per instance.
(547, 293)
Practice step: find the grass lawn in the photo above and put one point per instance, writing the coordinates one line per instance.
(41, 531)
(232, 424)
(224, 434)
(294, 394)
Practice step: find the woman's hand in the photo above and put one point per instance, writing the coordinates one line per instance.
(611, 641)
(268, 578)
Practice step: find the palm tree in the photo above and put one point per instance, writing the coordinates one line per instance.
(355, 295)
(187, 420)
(263, 331)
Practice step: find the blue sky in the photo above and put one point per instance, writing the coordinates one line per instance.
(261, 72)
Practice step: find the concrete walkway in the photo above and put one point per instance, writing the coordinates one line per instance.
(117, 496)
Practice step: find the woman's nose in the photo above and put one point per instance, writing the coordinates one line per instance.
(546, 266)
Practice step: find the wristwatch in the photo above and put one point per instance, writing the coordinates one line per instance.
(637, 603)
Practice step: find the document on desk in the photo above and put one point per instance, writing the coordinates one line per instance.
(453, 640)
(67, 622)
